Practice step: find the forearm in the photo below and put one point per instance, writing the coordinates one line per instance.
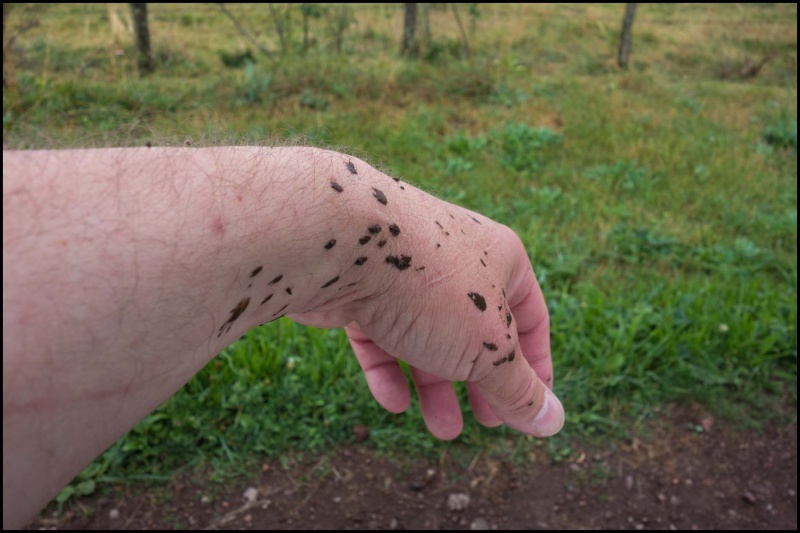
(123, 281)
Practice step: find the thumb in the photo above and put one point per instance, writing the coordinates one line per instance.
(520, 399)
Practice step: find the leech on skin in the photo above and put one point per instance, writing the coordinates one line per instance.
(475, 220)
(500, 361)
(331, 244)
(478, 300)
(336, 187)
(447, 233)
(381, 243)
(348, 285)
(255, 272)
(276, 280)
(279, 310)
(394, 229)
(265, 300)
(402, 262)
(490, 346)
(438, 224)
(236, 312)
(331, 282)
(484, 264)
(420, 268)
(351, 167)
(511, 356)
(375, 228)
(378, 194)
(364, 240)
(508, 319)
(289, 291)
(397, 180)
(361, 260)
(508, 335)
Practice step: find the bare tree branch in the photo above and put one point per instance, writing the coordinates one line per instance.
(246, 33)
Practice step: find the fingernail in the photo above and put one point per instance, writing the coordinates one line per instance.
(550, 419)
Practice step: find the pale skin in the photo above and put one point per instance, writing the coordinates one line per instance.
(126, 270)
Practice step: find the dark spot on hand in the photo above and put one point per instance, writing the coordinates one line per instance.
(484, 264)
(289, 291)
(402, 262)
(394, 229)
(475, 220)
(420, 268)
(148, 144)
(508, 319)
(331, 282)
(381, 243)
(500, 361)
(511, 356)
(276, 280)
(402, 188)
(336, 187)
(490, 346)
(361, 260)
(530, 404)
(438, 224)
(478, 300)
(438, 245)
(236, 312)
(447, 233)
(351, 167)
(255, 272)
(331, 244)
(378, 194)
(279, 310)
(364, 240)
(508, 335)
(375, 228)
(265, 300)
(397, 180)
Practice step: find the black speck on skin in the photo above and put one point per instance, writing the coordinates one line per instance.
(499, 307)
(397, 180)
(447, 233)
(508, 319)
(336, 187)
(361, 260)
(490, 346)
(289, 291)
(504, 293)
(364, 240)
(500, 361)
(378, 194)
(438, 224)
(530, 404)
(331, 244)
(351, 167)
(401, 263)
(462, 231)
(276, 280)
(451, 216)
(331, 282)
(438, 245)
(486, 253)
(511, 356)
(508, 335)
(375, 228)
(420, 268)
(265, 300)
(484, 264)
(394, 229)
(402, 188)
(475, 220)
(148, 144)
(255, 272)
(279, 310)
(348, 285)
(478, 300)
(381, 243)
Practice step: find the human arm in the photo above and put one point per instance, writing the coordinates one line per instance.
(126, 270)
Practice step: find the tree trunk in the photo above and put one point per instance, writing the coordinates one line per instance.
(142, 38)
(625, 38)
(409, 28)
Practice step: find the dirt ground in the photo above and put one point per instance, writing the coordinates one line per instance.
(679, 478)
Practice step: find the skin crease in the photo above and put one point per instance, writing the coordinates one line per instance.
(126, 270)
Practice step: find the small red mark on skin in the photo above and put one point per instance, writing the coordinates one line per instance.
(239, 197)
(217, 226)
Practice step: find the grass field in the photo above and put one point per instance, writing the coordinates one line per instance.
(658, 204)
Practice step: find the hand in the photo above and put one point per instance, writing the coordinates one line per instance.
(454, 295)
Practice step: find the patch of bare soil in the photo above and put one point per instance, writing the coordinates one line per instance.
(678, 478)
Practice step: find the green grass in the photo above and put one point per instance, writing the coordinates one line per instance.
(658, 205)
